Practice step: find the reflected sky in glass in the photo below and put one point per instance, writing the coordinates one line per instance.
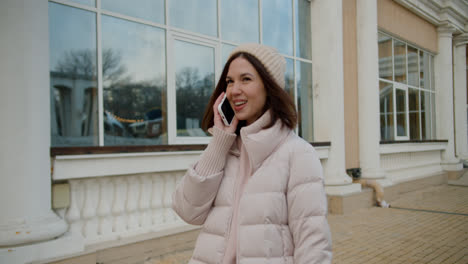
(304, 99)
(239, 20)
(198, 16)
(303, 30)
(152, 10)
(195, 79)
(85, 2)
(277, 25)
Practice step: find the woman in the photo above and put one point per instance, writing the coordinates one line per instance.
(258, 187)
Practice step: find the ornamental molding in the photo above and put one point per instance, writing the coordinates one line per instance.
(461, 39)
(441, 12)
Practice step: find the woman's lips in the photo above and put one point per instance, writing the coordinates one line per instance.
(239, 105)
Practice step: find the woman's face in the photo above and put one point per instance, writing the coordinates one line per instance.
(245, 90)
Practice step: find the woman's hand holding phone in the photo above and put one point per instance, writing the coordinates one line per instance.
(218, 122)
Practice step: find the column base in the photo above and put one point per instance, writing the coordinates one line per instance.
(452, 165)
(342, 190)
(22, 230)
(66, 245)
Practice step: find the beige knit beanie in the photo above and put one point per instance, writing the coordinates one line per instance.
(273, 62)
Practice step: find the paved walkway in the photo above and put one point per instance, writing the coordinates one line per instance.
(425, 226)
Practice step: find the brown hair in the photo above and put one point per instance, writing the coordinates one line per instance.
(278, 100)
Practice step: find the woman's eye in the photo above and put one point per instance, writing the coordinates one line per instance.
(229, 81)
(246, 79)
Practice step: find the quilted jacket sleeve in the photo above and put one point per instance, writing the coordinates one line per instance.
(195, 193)
(307, 208)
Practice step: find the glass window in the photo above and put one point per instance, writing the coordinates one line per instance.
(239, 20)
(400, 100)
(413, 76)
(414, 109)
(73, 76)
(424, 69)
(289, 77)
(386, 111)
(304, 99)
(194, 71)
(226, 51)
(152, 10)
(198, 16)
(303, 29)
(399, 53)
(277, 21)
(425, 115)
(134, 83)
(385, 57)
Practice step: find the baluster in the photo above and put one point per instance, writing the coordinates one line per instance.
(132, 202)
(169, 187)
(90, 209)
(118, 208)
(104, 207)
(73, 215)
(145, 201)
(157, 200)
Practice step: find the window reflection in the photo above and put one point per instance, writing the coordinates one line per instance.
(385, 57)
(424, 59)
(226, 50)
(303, 29)
(194, 65)
(277, 25)
(304, 99)
(399, 53)
(414, 113)
(413, 76)
(134, 83)
(425, 115)
(239, 20)
(73, 76)
(386, 111)
(152, 10)
(198, 16)
(85, 2)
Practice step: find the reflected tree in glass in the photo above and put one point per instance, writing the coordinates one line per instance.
(73, 77)
(386, 111)
(195, 81)
(134, 83)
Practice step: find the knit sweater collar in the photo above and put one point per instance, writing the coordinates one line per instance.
(260, 143)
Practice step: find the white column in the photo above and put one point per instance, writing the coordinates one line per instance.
(444, 98)
(368, 89)
(460, 96)
(25, 180)
(327, 54)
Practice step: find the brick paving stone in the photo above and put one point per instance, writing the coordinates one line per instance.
(429, 234)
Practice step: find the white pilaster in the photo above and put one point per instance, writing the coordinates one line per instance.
(328, 88)
(368, 89)
(460, 96)
(25, 181)
(444, 97)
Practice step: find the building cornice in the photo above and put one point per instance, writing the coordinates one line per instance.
(440, 12)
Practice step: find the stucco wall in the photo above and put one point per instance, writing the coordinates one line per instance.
(402, 23)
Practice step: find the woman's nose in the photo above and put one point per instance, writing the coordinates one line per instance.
(235, 88)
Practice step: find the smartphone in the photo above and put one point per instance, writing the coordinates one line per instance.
(226, 112)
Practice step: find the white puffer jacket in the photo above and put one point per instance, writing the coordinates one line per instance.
(282, 210)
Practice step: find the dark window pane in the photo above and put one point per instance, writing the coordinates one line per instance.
(401, 112)
(385, 57)
(304, 100)
(414, 109)
(73, 77)
(133, 58)
(303, 31)
(386, 111)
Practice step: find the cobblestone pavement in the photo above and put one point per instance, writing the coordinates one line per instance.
(425, 226)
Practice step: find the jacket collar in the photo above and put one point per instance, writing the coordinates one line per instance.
(260, 143)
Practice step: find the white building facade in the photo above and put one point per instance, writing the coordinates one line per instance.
(103, 101)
